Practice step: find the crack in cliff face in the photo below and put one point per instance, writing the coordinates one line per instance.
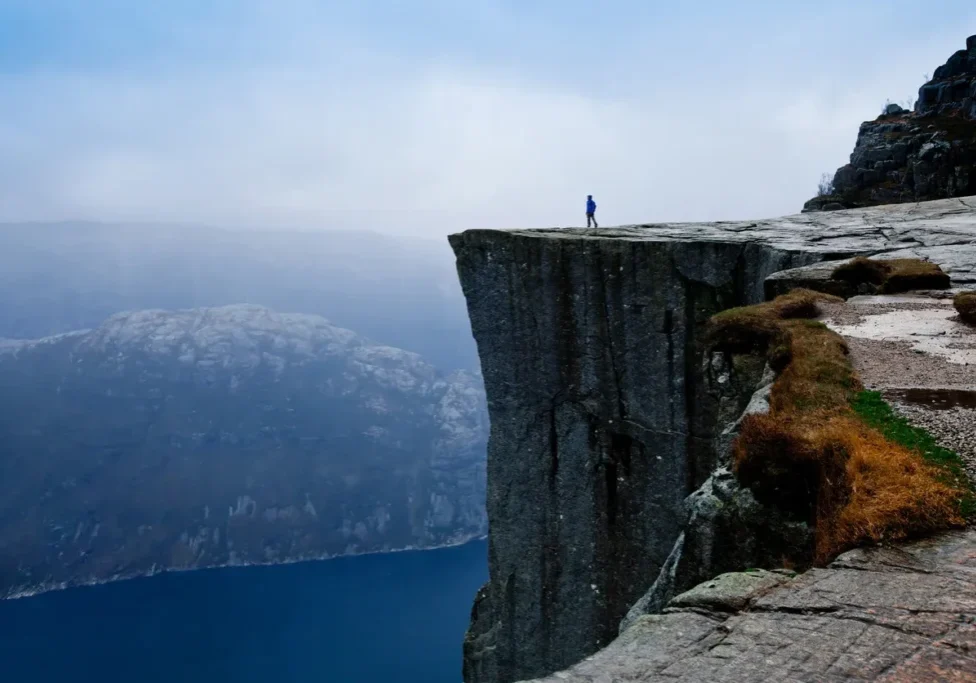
(618, 380)
(608, 264)
(553, 451)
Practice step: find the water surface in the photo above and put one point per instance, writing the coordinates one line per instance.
(396, 617)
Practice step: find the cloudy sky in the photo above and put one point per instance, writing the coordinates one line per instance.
(429, 116)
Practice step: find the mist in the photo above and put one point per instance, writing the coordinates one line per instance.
(60, 277)
(305, 115)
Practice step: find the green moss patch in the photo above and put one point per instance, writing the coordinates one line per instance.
(878, 413)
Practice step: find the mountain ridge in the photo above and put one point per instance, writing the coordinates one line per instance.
(227, 435)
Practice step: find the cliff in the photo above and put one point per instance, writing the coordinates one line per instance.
(234, 435)
(606, 414)
(920, 155)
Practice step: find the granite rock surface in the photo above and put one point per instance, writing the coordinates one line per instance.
(906, 615)
(605, 413)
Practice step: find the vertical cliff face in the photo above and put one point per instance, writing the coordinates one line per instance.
(606, 414)
(602, 423)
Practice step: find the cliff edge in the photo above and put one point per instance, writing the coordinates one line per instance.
(606, 413)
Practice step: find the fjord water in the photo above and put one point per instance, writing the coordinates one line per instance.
(397, 616)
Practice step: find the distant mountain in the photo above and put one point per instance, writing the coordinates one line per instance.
(57, 277)
(226, 435)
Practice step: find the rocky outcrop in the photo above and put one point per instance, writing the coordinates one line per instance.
(910, 156)
(726, 528)
(235, 435)
(874, 615)
(605, 414)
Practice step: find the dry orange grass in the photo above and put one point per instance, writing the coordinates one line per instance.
(814, 458)
(893, 493)
(754, 328)
(845, 478)
(818, 375)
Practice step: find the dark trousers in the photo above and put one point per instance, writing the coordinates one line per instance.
(591, 219)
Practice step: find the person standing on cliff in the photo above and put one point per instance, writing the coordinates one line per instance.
(591, 212)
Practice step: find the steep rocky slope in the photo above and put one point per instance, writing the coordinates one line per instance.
(229, 435)
(909, 156)
(605, 414)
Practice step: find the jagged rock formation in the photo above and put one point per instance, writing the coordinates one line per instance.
(220, 436)
(605, 416)
(905, 156)
(874, 615)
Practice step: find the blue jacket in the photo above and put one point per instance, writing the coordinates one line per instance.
(590, 206)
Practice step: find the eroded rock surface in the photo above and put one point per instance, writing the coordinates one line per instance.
(726, 528)
(906, 615)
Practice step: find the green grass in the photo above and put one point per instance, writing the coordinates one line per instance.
(876, 412)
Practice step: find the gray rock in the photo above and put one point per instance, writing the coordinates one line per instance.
(893, 615)
(894, 160)
(731, 592)
(930, 151)
(598, 432)
(727, 530)
(818, 277)
(606, 415)
(844, 176)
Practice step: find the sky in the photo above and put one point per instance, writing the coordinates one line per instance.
(426, 117)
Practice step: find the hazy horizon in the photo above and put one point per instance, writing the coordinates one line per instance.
(437, 118)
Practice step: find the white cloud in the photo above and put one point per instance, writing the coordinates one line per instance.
(423, 148)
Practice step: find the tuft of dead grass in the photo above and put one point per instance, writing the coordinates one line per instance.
(893, 276)
(755, 328)
(781, 458)
(862, 270)
(815, 458)
(893, 494)
(965, 303)
(819, 375)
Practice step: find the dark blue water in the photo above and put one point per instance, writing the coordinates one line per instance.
(398, 617)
